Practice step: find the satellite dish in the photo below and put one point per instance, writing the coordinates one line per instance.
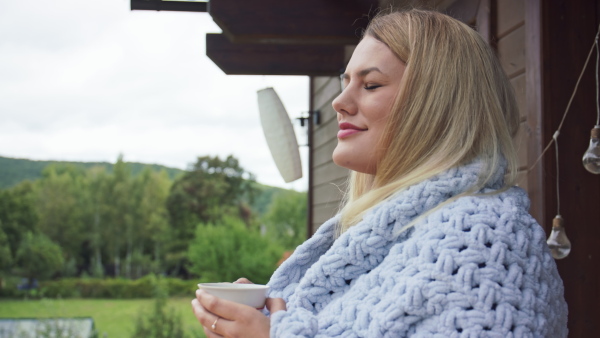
(280, 135)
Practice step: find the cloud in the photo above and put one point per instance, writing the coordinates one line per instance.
(86, 81)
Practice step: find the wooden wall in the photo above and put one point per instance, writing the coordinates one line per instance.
(567, 32)
(543, 46)
(509, 39)
(329, 180)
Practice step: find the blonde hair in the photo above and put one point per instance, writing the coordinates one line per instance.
(455, 104)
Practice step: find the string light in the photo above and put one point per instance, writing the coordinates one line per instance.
(570, 101)
(591, 158)
(558, 242)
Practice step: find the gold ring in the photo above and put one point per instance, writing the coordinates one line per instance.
(214, 325)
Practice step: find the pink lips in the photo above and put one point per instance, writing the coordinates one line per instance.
(347, 129)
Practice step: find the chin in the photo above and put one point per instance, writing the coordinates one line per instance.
(337, 159)
(348, 159)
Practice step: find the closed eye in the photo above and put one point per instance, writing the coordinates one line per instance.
(372, 87)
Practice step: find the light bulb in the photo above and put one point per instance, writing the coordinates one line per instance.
(559, 244)
(591, 158)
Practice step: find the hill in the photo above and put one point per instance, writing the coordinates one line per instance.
(15, 170)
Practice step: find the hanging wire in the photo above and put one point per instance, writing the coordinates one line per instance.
(555, 138)
(597, 96)
(595, 44)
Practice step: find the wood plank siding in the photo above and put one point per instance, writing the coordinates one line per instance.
(329, 180)
(509, 38)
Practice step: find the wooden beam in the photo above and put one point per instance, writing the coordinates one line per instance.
(311, 108)
(270, 59)
(534, 63)
(293, 22)
(485, 22)
(160, 5)
(464, 10)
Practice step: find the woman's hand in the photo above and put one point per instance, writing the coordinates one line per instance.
(231, 319)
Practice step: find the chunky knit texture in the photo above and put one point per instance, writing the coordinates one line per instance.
(475, 267)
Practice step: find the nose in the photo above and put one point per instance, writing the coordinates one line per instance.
(344, 103)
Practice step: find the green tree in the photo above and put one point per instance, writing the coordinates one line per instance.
(151, 223)
(118, 227)
(62, 204)
(285, 221)
(98, 181)
(6, 257)
(212, 184)
(212, 188)
(17, 213)
(38, 257)
(229, 250)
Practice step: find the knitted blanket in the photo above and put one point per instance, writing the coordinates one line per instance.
(475, 267)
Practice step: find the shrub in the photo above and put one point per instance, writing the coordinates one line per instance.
(160, 323)
(230, 250)
(111, 288)
(163, 321)
(38, 257)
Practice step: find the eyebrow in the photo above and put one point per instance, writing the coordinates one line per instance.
(362, 73)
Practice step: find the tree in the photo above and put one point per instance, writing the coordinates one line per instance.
(63, 205)
(212, 188)
(151, 223)
(286, 219)
(17, 213)
(98, 214)
(38, 257)
(6, 257)
(117, 229)
(229, 250)
(211, 185)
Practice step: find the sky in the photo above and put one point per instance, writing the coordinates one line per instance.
(90, 80)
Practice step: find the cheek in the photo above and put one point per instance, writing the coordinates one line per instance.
(377, 111)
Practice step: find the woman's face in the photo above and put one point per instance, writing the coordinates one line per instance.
(371, 83)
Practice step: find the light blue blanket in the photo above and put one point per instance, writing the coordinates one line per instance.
(475, 267)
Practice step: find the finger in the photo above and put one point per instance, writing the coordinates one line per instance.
(223, 308)
(204, 317)
(211, 334)
(275, 304)
(243, 281)
(207, 319)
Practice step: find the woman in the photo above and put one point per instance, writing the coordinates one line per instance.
(433, 240)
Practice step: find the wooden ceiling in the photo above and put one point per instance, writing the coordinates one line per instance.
(292, 22)
(160, 5)
(274, 37)
(274, 59)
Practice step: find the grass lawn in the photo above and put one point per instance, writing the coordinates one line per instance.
(115, 317)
